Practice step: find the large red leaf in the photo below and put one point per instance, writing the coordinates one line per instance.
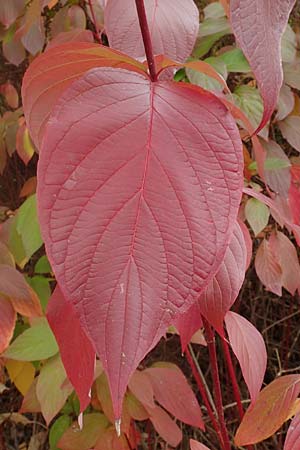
(173, 27)
(249, 347)
(7, 323)
(77, 353)
(292, 441)
(272, 408)
(173, 392)
(221, 292)
(137, 219)
(53, 71)
(258, 27)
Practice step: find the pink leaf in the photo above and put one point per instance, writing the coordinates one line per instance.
(173, 392)
(173, 27)
(248, 242)
(165, 426)
(71, 36)
(292, 441)
(7, 323)
(77, 353)
(258, 27)
(220, 294)
(268, 269)
(197, 445)
(294, 194)
(10, 10)
(287, 257)
(223, 290)
(141, 209)
(249, 348)
(141, 387)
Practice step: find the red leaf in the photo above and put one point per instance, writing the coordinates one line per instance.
(272, 408)
(22, 297)
(7, 323)
(294, 194)
(53, 71)
(268, 269)
(173, 392)
(134, 192)
(287, 257)
(169, 21)
(197, 445)
(220, 294)
(249, 348)
(292, 441)
(188, 323)
(258, 27)
(77, 353)
(165, 426)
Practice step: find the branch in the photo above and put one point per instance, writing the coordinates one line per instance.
(146, 38)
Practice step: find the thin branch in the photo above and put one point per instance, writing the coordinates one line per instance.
(203, 392)
(210, 339)
(97, 34)
(146, 38)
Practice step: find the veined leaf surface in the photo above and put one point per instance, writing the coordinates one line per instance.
(258, 27)
(137, 220)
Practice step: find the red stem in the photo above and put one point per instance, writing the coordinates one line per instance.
(97, 34)
(232, 376)
(235, 386)
(146, 38)
(203, 394)
(210, 339)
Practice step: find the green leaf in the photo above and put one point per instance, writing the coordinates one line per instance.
(235, 61)
(35, 343)
(43, 265)
(52, 390)
(57, 430)
(271, 164)
(27, 227)
(42, 288)
(248, 99)
(257, 215)
(205, 81)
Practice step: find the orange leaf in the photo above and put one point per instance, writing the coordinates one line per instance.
(272, 408)
(7, 322)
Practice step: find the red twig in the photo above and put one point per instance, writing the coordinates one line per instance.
(234, 383)
(97, 34)
(210, 338)
(203, 394)
(146, 38)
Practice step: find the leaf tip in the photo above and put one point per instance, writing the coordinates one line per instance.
(118, 427)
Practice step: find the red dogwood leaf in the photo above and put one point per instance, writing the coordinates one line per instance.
(220, 294)
(7, 322)
(77, 353)
(137, 220)
(53, 71)
(258, 27)
(165, 426)
(292, 441)
(173, 392)
(249, 348)
(267, 268)
(197, 445)
(287, 257)
(294, 194)
(173, 27)
(272, 408)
